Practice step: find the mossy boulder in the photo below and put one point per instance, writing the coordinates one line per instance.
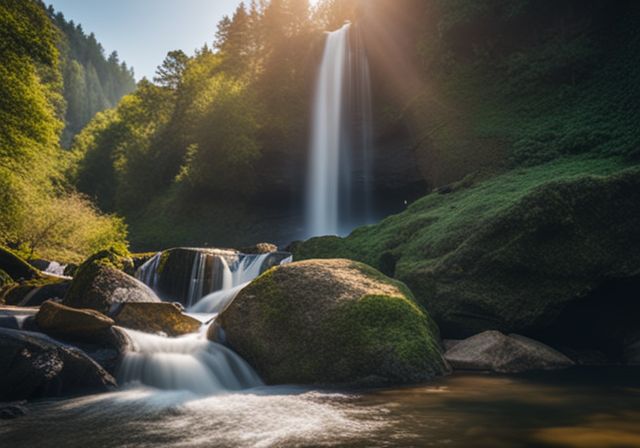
(164, 317)
(115, 258)
(36, 291)
(515, 252)
(100, 283)
(58, 320)
(15, 266)
(332, 322)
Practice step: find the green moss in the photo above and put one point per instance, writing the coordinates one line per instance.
(392, 332)
(507, 253)
(300, 324)
(114, 257)
(16, 267)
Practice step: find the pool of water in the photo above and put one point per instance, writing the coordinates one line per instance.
(575, 408)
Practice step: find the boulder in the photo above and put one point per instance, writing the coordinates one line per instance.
(37, 291)
(35, 366)
(496, 352)
(260, 248)
(58, 320)
(16, 267)
(332, 322)
(98, 285)
(163, 317)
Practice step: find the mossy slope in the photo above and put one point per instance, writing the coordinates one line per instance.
(510, 252)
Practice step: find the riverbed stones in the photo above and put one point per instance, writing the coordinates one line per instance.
(58, 320)
(332, 322)
(164, 317)
(35, 366)
(497, 352)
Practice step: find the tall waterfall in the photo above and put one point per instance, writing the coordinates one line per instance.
(339, 175)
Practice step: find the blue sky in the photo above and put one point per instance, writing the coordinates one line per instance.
(143, 31)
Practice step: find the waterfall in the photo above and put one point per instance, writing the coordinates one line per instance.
(338, 201)
(189, 363)
(148, 272)
(211, 272)
(192, 362)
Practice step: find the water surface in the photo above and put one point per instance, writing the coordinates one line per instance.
(575, 408)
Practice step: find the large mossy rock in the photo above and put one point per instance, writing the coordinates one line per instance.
(164, 317)
(100, 283)
(35, 366)
(16, 267)
(515, 252)
(332, 322)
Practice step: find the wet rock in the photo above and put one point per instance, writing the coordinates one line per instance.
(35, 366)
(164, 317)
(497, 352)
(98, 285)
(332, 322)
(58, 320)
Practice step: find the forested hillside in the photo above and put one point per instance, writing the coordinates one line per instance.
(92, 82)
(41, 213)
(460, 88)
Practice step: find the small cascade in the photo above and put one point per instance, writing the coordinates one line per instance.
(56, 269)
(211, 271)
(216, 302)
(148, 272)
(189, 363)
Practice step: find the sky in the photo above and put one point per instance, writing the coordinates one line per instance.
(143, 31)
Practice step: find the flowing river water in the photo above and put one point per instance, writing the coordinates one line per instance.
(574, 408)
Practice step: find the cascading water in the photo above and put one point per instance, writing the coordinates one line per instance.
(338, 194)
(192, 362)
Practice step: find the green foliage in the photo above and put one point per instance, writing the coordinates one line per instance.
(222, 155)
(521, 82)
(39, 214)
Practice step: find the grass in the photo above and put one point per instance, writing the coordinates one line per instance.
(438, 223)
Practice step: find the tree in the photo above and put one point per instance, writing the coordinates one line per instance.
(169, 74)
